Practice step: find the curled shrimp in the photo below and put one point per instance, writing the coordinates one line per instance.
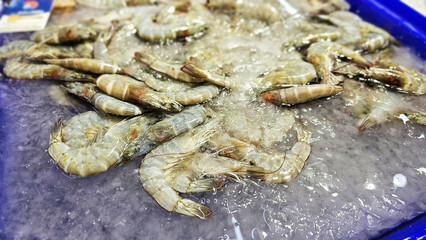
(261, 11)
(166, 130)
(20, 69)
(128, 89)
(87, 65)
(323, 54)
(300, 94)
(176, 167)
(101, 101)
(83, 152)
(278, 168)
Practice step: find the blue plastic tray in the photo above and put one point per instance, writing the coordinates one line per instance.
(409, 27)
(404, 23)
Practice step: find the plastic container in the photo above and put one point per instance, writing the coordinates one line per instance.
(404, 23)
(409, 27)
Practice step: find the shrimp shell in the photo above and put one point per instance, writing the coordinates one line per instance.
(290, 73)
(64, 34)
(16, 68)
(87, 65)
(180, 27)
(278, 168)
(323, 54)
(261, 11)
(169, 70)
(153, 172)
(166, 130)
(195, 68)
(101, 101)
(99, 155)
(45, 51)
(194, 95)
(14, 49)
(111, 4)
(128, 89)
(300, 94)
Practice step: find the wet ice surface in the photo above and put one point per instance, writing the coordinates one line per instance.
(346, 189)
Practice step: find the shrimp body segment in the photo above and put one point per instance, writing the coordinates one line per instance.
(300, 94)
(288, 74)
(262, 11)
(94, 156)
(167, 69)
(14, 49)
(177, 28)
(128, 89)
(166, 130)
(101, 101)
(323, 54)
(64, 34)
(87, 65)
(18, 69)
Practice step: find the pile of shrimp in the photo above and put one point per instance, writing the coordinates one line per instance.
(170, 81)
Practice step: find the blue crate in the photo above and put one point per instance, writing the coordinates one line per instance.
(409, 27)
(404, 23)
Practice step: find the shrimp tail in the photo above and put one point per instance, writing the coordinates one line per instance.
(144, 57)
(189, 207)
(56, 132)
(195, 68)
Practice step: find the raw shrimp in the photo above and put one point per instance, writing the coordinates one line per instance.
(282, 168)
(196, 68)
(169, 70)
(82, 157)
(14, 49)
(364, 36)
(393, 75)
(323, 54)
(373, 106)
(300, 94)
(128, 89)
(101, 101)
(261, 11)
(185, 174)
(125, 36)
(64, 34)
(176, 27)
(166, 85)
(194, 95)
(311, 33)
(176, 166)
(111, 4)
(87, 65)
(291, 72)
(19, 69)
(166, 130)
(44, 51)
(417, 117)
